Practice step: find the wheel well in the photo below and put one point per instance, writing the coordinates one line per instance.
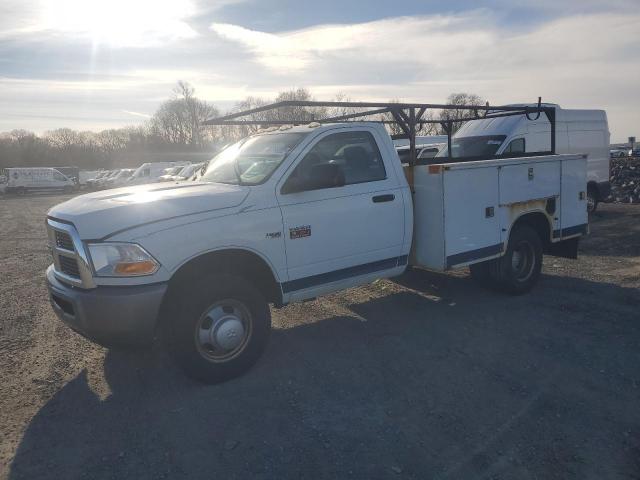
(539, 222)
(234, 261)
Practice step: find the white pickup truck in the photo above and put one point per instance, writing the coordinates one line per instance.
(289, 215)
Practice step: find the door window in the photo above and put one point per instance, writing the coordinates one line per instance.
(355, 154)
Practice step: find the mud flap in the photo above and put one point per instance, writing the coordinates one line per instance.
(566, 248)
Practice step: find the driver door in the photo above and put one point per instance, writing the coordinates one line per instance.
(339, 236)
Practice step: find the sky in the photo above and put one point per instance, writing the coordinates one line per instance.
(96, 64)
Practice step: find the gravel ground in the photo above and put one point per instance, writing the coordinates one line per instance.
(427, 376)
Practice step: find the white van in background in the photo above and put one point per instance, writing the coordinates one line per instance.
(577, 131)
(183, 173)
(21, 180)
(421, 140)
(423, 152)
(152, 171)
(119, 179)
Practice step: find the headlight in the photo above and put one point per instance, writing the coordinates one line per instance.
(121, 260)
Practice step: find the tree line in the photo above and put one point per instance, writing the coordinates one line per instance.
(175, 131)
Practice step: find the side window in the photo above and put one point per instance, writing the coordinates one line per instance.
(58, 176)
(354, 154)
(516, 146)
(146, 172)
(428, 152)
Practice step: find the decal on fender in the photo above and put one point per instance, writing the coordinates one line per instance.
(300, 232)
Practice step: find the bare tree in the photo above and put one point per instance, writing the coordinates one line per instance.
(296, 113)
(456, 114)
(63, 138)
(392, 128)
(179, 120)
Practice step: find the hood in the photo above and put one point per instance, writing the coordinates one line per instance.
(99, 214)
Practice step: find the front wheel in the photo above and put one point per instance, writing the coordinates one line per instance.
(218, 328)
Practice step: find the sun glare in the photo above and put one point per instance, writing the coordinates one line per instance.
(121, 22)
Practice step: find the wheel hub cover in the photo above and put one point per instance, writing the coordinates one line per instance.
(228, 333)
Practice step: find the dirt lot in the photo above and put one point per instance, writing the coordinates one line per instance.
(428, 376)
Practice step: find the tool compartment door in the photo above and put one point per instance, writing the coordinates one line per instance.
(529, 181)
(573, 203)
(471, 221)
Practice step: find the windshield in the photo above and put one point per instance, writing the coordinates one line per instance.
(172, 170)
(252, 160)
(483, 146)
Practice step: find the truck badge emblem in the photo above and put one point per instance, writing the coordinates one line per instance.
(273, 235)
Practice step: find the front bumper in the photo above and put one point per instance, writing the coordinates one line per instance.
(108, 315)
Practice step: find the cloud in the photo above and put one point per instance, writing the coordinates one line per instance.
(117, 23)
(137, 114)
(382, 40)
(580, 61)
(69, 73)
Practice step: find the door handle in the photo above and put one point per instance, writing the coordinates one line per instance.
(390, 197)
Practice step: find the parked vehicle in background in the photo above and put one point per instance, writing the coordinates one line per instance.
(3, 183)
(168, 174)
(152, 171)
(634, 152)
(423, 151)
(72, 173)
(120, 179)
(101, 182)
(85, 175)
(577, 131)
(92, 182)
(22, 180)
(618, 152)
(187, 172)
(422, 140)
(290, 215)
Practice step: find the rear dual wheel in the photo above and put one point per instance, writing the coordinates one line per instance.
(518, 270)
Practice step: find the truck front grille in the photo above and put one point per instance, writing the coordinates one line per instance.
(70, 261)
(69, 266)
(63, 240)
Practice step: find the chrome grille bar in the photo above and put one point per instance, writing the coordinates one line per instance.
(65, 243)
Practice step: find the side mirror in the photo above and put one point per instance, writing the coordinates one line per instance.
(327, 175)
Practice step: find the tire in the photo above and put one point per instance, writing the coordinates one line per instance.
(518, 270)
(218, 328)
(592, 199)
